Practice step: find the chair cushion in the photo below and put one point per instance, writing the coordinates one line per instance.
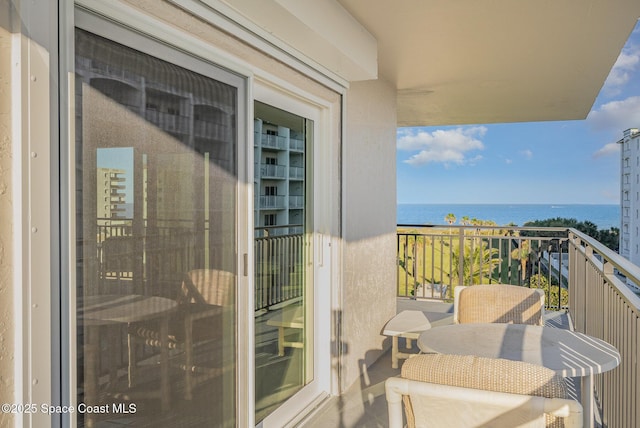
(208, 286)
(500, 304)
(490, 374)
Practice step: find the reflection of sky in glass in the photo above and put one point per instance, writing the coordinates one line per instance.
(119, 158)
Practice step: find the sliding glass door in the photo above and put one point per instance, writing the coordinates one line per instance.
(156, 234)
(284, 331)
(178, 321)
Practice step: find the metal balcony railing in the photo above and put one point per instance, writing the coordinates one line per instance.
(296, 201)
(273, 141)
(164, 253)
(433, 260)
(273, 171)
(296, 172)
(602, 303)
(296, 145)
(595, 284)
(213, 131)
(279, 268)
(168, 121)
(272, 202)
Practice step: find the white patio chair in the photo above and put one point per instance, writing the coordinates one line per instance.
(461, 391)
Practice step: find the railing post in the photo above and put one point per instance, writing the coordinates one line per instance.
(414, 266)
(460, 256)
(397, 263)
(406, 265)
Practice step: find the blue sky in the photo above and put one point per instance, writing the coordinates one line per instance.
(544, 162)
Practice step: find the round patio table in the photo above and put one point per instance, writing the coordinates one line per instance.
(568, 353)
(105, 310)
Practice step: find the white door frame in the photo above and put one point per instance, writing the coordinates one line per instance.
(289, 98)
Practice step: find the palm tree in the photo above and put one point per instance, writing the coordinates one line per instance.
(510, 231)
(478, 262)
(522, 253)
(450, 218)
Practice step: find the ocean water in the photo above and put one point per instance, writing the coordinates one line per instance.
(604, 216)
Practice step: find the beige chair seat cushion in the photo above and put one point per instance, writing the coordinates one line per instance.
(484, 374)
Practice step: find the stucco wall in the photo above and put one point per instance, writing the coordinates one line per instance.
(370, 223)
(6, 295)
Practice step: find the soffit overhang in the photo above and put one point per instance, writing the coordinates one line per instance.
(462, 61)
(457, 62)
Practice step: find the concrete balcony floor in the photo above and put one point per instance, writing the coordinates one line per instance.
(364, 404)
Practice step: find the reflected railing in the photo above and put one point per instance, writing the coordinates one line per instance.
(272, 202)
(279, 267)
(597, 286)
(162, 254)
(156, 256)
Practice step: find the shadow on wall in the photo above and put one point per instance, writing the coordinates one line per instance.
(339, 349)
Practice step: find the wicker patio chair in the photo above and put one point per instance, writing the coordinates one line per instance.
(462, 391)
(205, 307)
(498, 303)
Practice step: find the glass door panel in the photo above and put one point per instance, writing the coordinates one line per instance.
(156, 185)
(283, 272)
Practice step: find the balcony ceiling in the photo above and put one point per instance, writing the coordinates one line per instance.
(457, 61)
(460, 62)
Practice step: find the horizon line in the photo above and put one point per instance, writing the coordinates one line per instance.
(507, 203)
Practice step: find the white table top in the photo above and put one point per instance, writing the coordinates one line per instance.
(111, 309)
(566, 352)
(291, 316)
(407, 323)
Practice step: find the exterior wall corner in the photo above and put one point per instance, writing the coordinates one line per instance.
(369, 224)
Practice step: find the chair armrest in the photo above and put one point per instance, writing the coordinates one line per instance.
(569, 409)
(456, 302)
(503, 402)
(196, 312)
(193, 330)
(395, 388)
(542, 297)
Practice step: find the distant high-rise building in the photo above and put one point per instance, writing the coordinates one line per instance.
(279, 178)
(630, 195)
(111, 192)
